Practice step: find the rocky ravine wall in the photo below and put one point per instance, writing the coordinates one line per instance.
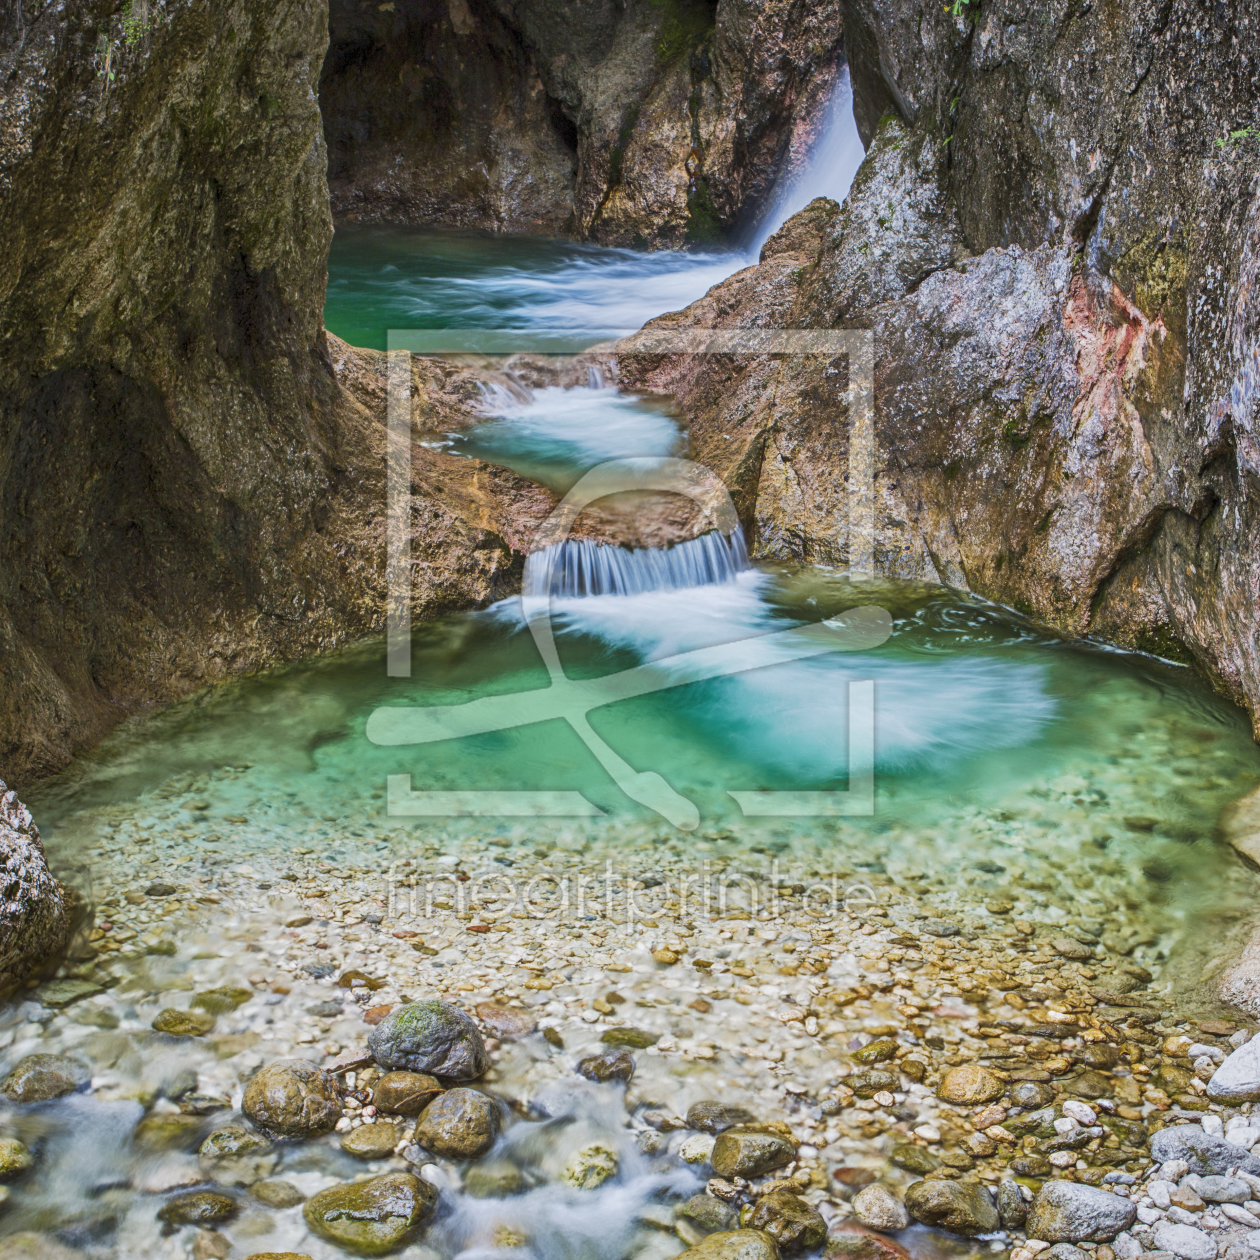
(1056, 240)
(186, 489)
(626, 122)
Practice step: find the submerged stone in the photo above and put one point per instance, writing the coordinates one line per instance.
(221, 1001)
(590, 1167)
(167, 1131)
(176, 1023)
(612, 1065)
(715, 1117)
(15, 1159)
(708, 1212)
(277, 1194)
(202, 1207)
(630, 1038)
(40, 1077)
(371, 1141)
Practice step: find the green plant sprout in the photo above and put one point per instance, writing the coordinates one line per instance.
(104, 60)
(136, 22)
(958, 8)
(1234, 137)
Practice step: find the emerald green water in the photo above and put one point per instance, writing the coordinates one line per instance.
(1066, 766)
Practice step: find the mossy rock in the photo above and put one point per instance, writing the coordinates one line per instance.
(183, 1023)
(375, 1217)
(630, 1038)
(430, 1037)
(40, 1077)
(15, 1159)
(222, 1001)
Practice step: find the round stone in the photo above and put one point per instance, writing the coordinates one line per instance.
(292, 1098)
(697, 1149)
(878, 1208)
(372, 1218)
(1066, 1211)
(1237, 1080)
(632, 1038)
(202, 1207)
(750, 1150)
(430, 1037)
(40, 1077)
(735, 1244)
(277, 1194)
(371, 1141)
(460, 1124)
(789, 1220)
(1031, 1094)
(715, 1117)
(960, 1207)
(182, 1023)
(970, 1085)
(405, 1093)
(877, 1051)
(167, 1131)
(15, 1159)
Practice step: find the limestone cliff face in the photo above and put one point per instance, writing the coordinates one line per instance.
(648, 123)
(186, 491)
(1054, 239)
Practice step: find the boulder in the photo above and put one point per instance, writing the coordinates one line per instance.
(405, 1093)
(878, 1208)
(789, 1220)
(960, 1207)
(372, 1218)
(460, 1124)
(291, 1098)
(1203, 1153)
(1237, 1080)
(430, 1037)
(1068, 1212)
(40, 1077)
(748, 1150)
(735, 1244)
(37, 913)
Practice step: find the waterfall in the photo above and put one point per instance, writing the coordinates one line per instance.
(828, 170)
(576, 567)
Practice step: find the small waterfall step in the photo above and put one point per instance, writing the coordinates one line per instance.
(577, 568)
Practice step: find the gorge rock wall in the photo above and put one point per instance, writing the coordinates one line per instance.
(1054, 239)
(186, 490)
(647, 123)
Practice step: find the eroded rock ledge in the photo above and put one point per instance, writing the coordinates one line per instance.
(1057, 257)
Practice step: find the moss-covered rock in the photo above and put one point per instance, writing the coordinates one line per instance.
(372, 1218)
(431, 1037)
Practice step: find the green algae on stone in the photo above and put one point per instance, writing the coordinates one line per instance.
(876, 1051)
(39, 1077)
(202, 1207)
(176, 1023)
(15, 1159)
(375, 1217)
(630, 1038)
(221, 1001)
(734, 1244)
(590, 1167)
(430, 1037)
(788, 1219)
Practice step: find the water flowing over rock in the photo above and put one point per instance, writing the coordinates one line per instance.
(1065, 407)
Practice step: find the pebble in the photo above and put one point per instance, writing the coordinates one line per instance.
(750, 1151)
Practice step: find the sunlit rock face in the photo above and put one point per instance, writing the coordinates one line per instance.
(651, 124)
(1057, 257)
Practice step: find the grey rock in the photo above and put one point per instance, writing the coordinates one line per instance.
(1222, 1190)
(960, 1207)
(878, 1208)
(431, 1037)
(1065, 1251)
(1011, 1206)
(1202, 1152)
(1065, 1211)
(1185, 1241)
(1237, 1080)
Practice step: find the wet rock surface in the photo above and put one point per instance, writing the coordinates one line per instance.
(40, 1077)
(737, 1244)
(292, 1099)
(430, 1037)
(372, 1218)
(750, 1150)
(961, 1208)
(789, 1220)
(405, 1093)
(461, 1124)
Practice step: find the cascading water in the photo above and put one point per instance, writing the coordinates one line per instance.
(577, 568)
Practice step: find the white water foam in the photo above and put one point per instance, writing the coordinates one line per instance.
(827, 172)
(929, 713)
